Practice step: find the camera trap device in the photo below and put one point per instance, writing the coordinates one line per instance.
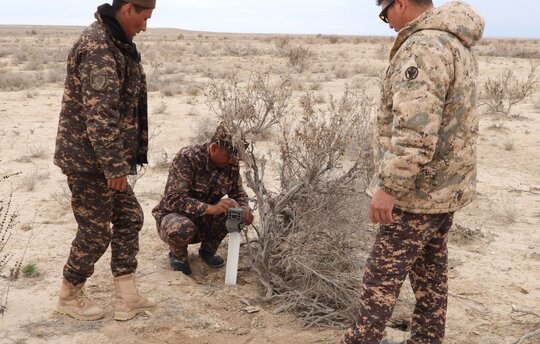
(235, 220)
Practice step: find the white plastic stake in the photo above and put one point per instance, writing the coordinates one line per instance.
(232, 258)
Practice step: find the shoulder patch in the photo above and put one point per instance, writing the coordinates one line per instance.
(98, 79)
(411, 73)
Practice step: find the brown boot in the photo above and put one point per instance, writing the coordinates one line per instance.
(128, 303)
(72, 300)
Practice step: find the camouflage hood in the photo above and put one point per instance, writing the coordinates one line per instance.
(456, 17)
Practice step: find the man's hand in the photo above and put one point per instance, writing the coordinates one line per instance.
(118, 184)
(381, 207)
(248, 215)
(221, 207)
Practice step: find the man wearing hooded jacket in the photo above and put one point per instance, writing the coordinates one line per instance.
(102, 137)
(427, 126)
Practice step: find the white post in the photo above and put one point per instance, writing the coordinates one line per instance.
(232, 258)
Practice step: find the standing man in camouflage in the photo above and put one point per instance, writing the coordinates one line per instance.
(426, 163)
(193, 209)
(102, 136)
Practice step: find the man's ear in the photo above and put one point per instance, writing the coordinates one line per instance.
(401, 5)
(127, 9)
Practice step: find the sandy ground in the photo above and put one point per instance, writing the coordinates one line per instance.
(494, 252)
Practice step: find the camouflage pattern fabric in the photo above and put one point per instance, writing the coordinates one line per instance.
(95, 207)
(179, 231)
(427, 123)
(192, 185)
(102, 127)
(415, 245)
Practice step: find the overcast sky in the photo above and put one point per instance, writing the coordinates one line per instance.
(349, 17)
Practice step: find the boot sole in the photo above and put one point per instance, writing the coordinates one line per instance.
(124, 316)
(74, 315)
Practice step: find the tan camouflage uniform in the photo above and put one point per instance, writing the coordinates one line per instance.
(102, 134)
(425, 150)
(192, 185)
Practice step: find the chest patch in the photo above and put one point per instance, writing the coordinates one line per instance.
(98, 79)
(411, 73)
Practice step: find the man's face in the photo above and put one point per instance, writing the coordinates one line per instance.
(221, 157)
(135, 22)
(391, 14)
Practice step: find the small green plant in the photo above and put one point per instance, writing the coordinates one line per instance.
(30, 270)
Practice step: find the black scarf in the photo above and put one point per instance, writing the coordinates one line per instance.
(106, 13)
(129, 48)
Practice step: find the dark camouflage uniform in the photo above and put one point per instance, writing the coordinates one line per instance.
(102, 134)
(192, 185)
(425, 150)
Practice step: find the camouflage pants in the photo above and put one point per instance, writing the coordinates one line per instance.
(95, 207)
(415, 245)
(178, 231)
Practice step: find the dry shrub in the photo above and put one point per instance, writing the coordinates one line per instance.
(510, 51)
(311, 251)
(16, 81)
(298, 58)
(162, 161)
(461, 234)
(239, 50)
(203, 130)
(8, 221)
(255, 106)
(161, 108)
(499, 95)
(55, 75)
(342, 73)
(508, 208)
(282, 42)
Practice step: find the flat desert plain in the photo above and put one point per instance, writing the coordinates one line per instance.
(494, 251)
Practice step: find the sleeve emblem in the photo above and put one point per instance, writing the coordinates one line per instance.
(98, 79)
(411, 73)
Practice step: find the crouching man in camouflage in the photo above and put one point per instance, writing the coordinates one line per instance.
(426, 163)
(193, 209)
(102, 136)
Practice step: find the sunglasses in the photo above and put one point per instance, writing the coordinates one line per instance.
(382, 15)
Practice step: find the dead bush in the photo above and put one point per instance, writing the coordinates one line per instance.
(162, 161)
(203, 130)
(298, 58)
(499, 95)
(16, 81)
(255, 106)
(9, 256)
(461, 234)
(309, 250)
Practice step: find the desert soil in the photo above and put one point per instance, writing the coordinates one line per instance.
(494, 250)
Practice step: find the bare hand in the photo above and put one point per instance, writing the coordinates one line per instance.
(248, 216)
(381, 207)
(221, 207)
(118, 184)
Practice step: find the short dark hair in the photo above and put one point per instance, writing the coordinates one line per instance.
(417, 2)
(117, 5)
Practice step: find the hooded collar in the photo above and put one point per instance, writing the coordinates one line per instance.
(456, 17)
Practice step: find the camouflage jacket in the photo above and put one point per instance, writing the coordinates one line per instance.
(427, 123)
(103, 122)
(193, 184)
